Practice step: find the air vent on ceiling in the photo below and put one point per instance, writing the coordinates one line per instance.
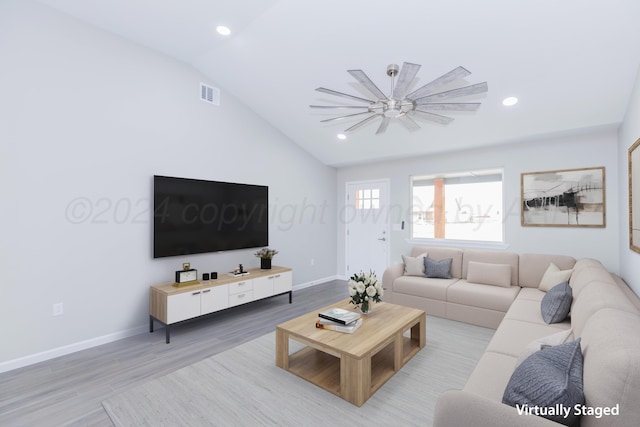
(210, 94)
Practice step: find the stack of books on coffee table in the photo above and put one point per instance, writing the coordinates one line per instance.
(337, 319)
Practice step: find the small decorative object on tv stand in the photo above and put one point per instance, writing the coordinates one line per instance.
(266, 255)
(239, 271)
(187, 276)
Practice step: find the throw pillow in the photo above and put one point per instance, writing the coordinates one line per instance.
(553, 276)
(550, 379)
(438, 269)
(556, 303)
(414, 266)
(489, 274)
(544, 342)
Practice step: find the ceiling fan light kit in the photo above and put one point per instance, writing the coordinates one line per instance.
(402, 106)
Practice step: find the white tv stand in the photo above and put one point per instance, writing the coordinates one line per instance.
(169, 304)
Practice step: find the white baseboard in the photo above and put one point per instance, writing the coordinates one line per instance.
(315, 282)
(94, 342)
(68, 349)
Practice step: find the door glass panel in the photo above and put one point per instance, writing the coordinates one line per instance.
(368, 198)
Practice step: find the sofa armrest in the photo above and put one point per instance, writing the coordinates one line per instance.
(460, 408)
(391, 274)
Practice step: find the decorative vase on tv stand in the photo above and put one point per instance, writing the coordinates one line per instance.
(266, 255)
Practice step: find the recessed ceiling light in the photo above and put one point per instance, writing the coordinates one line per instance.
(342, 136)
(221, 29)
(512, 100)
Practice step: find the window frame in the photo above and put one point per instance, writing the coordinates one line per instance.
(470, 243)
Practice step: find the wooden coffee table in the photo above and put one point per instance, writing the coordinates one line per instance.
(352, 366)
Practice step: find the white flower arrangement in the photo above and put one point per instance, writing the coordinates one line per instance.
(364, 288)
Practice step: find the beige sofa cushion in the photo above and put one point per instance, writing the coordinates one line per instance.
(423, 287)
(584, 276)
(491, 375)
(533, 266)
(528, 310)
(594, 297)
(533, 294)
(553, 276)
(414, 266)
(611, 345)
(482, 296)
(513, 336)
(489, 274)
(492, 257)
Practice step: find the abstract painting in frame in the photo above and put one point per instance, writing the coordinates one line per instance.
(563, 198)
(634, 196)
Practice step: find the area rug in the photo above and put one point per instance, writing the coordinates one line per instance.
(243, 387)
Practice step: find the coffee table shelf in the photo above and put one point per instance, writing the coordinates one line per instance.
(317, 367)
(352, 366)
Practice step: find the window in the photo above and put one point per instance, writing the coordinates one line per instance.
(461, 206)
(368, 199)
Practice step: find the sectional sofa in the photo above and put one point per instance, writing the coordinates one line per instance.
(509, 292)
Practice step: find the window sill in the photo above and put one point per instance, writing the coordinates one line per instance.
(471, 244)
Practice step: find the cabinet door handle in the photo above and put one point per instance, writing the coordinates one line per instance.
(241, 296)
(278, 275)
(206, 290)
(196, 293)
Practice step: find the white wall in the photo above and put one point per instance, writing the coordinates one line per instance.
(628, 134)
(588, 150)
(86, 120)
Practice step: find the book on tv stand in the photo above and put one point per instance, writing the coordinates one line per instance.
(339, 315)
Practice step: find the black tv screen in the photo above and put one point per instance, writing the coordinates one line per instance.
(192, 216)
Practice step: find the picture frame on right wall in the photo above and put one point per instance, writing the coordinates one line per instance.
(563, 198)
(634, 197)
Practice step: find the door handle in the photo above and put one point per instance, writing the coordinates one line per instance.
(383, 239)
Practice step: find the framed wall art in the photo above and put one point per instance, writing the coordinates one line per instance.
(634, 196)
(563, 198)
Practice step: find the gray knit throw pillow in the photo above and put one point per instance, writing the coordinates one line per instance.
(549, 379)
(556, 303)
(437, 269)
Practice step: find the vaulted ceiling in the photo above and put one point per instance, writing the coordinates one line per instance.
(571, 63)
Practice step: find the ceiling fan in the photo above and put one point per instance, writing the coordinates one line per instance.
(402, 105)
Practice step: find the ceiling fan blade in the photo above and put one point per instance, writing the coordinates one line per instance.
(431, 87)
(365, 81)
(453, 106)
(361, 123)
(338, 106)
(408, 122)
(344, 95)
(408, 72)
(345, 117)
(455, 93)
(443, 120)
(383, 125)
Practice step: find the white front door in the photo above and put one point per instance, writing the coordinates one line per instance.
(367, 227)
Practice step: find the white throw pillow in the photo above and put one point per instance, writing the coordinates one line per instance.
(553, 276)
(548, 341)
(414, 266)
(489, 274)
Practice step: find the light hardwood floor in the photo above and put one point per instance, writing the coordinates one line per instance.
(68, 391)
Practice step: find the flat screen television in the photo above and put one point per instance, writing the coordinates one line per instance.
(192, 216)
